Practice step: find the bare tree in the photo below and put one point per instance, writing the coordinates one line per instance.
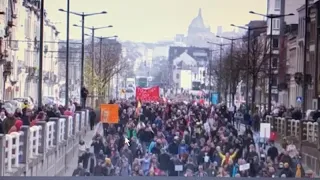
(107, 63)
(220, 71)
(256, 66)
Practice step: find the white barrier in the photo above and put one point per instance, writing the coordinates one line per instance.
(77, 121)
(88, 118)
(310, 129)
(61, 131)
(70, 126)
(83, 119)
(50, 133)
(12, 150)
(34, 141)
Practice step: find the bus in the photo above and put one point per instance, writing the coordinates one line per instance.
(142, 81)
(196, 89)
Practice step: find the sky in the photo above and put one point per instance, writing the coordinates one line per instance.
(152, 20)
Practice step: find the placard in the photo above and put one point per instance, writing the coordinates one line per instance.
(265, 130)
(109, 113)
(178, 168)
(244, 167)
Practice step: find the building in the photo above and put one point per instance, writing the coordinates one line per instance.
(199, 33)
(314, 14)
(200, 55)
(293, 65)
(8, 20)
(279, 51)
(22, 51)
(185, 71)
(74, 68)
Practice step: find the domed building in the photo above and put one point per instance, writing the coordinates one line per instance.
(198, 33)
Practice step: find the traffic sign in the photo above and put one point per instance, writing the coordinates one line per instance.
(299, 99)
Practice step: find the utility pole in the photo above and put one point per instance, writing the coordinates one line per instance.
(100, 58)
(67, 55)
(305, 49)
(82, 51)
(40, 54)
(92, 65)
(117, 86)
(83, 15)
(316, 95)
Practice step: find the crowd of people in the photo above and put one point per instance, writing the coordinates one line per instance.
(184, 139)
(12, 121)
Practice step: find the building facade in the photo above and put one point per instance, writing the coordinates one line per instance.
(22, 47)
(280, 88)
(201, 56)
(8, 20)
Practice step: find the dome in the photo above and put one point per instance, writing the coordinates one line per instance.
(197, 22)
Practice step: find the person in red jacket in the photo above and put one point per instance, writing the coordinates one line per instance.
(16, 127)
(40, 117)
(68, 112)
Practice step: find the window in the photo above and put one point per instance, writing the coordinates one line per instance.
(275, 43)
(274, 81)
(177, 76)
(277, 5)
(276, 24)
(313, 31)
(274, 63)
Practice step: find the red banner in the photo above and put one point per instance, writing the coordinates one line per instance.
(148, 94)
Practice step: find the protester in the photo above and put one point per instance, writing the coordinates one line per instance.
(187, 139)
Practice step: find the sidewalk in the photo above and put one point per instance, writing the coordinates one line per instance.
(74, 162)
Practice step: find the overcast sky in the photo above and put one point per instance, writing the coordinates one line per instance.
(153, 20)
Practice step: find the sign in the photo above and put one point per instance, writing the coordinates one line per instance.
(148, 94)
(178, 168)
(244, 167)
(299, 99)
(109, 113)
(265, 130)
(214, 98)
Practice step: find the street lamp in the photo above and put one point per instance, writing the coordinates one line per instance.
(232, 84)
(249, 29)
(271, 17)
(93, 29)
(220, 67)
(41, 53)
(83, 15)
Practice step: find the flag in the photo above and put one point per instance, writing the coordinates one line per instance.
(138, 108)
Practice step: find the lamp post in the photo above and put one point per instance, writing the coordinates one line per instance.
(220, 66)
(271, 17)
(83, 15)
(231, 53)
(249, 29)
(67, 53)
(41, 52)
(93, 29)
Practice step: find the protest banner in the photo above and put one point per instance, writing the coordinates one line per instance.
(109, 113)
(148, 94)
